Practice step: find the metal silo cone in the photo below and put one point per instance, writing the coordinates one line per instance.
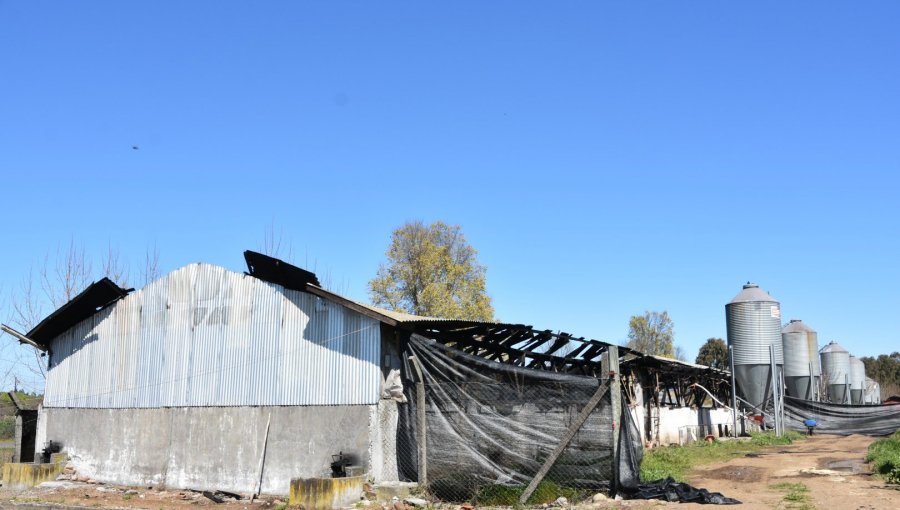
(753, 320)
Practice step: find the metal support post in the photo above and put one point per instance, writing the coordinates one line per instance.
(422, 449)
(734, 432)
(775, 390)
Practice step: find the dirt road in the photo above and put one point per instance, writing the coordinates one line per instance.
(831, 467)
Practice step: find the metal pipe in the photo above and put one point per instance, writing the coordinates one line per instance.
(775, 390)
(812, 383)
(20, 337)
(733, 393)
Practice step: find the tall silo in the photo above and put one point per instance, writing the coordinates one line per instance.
(797, 363)
(857, 380)
(753, 320)
(836, 372)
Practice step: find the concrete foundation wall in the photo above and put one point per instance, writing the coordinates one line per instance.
(211, 447)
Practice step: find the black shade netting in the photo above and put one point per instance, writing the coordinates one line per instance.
(842, 419)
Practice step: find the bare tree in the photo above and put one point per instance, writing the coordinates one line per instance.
(69, 274)
(151, 265)
(56, 282)
(114, 268)
(274, 243)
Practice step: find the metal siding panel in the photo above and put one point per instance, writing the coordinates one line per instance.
(205, 336)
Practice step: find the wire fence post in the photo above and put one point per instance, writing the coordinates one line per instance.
(615, 387)
(421, 443)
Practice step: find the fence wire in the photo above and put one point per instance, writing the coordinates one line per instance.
(491, 428)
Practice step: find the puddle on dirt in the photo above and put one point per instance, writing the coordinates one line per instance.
(849, 466)
(737, 473)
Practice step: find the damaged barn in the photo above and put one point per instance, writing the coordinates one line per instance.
(215, 380)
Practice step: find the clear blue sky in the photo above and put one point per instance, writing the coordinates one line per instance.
(605, 158)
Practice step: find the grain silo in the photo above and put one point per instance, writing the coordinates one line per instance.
(753, 320)
(836, 372)
(857, 380)
(797, 362)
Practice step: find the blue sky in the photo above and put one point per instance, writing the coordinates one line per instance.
(605, 158)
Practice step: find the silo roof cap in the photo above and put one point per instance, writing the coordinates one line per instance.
(752, 293)
(833, 347)
(797, 326)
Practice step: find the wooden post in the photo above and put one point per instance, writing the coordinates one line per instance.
(422, 449)
(564, 442)
(615, 388)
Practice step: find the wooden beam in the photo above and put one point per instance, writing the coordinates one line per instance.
(566, 439)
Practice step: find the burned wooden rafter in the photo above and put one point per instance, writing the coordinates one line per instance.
(518, 345)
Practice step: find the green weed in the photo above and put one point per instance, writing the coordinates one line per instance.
(884, 455)
(678, 461)
(796, 497)
(508, 495)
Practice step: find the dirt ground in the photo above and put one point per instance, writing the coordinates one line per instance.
(832, 467)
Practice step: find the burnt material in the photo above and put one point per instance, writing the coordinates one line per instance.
(98, 295)
(49, 449)
(279, 272)
(339, 465)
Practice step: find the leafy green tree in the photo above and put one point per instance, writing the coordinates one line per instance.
(432, 271)
(652, 333)
(714, 353)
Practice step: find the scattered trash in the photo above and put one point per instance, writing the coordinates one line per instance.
(415, 501)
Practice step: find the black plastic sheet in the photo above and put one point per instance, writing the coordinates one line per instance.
(668, 489)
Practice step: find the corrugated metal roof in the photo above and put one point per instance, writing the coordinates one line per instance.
(82, 306)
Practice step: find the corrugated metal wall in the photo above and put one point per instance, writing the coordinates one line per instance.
(206, 336)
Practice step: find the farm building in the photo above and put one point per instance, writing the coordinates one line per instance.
(213, 379)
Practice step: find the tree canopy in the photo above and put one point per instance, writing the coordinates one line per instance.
(652, 333)
(714, 353)
(431, 270)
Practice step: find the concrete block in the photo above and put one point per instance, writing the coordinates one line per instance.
(387, 490)
(23, 476)
(326, 493)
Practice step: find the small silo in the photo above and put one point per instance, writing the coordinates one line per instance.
(857, 380)
(836, 372)
(871, 391)
(753, 320)
(797, 363)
